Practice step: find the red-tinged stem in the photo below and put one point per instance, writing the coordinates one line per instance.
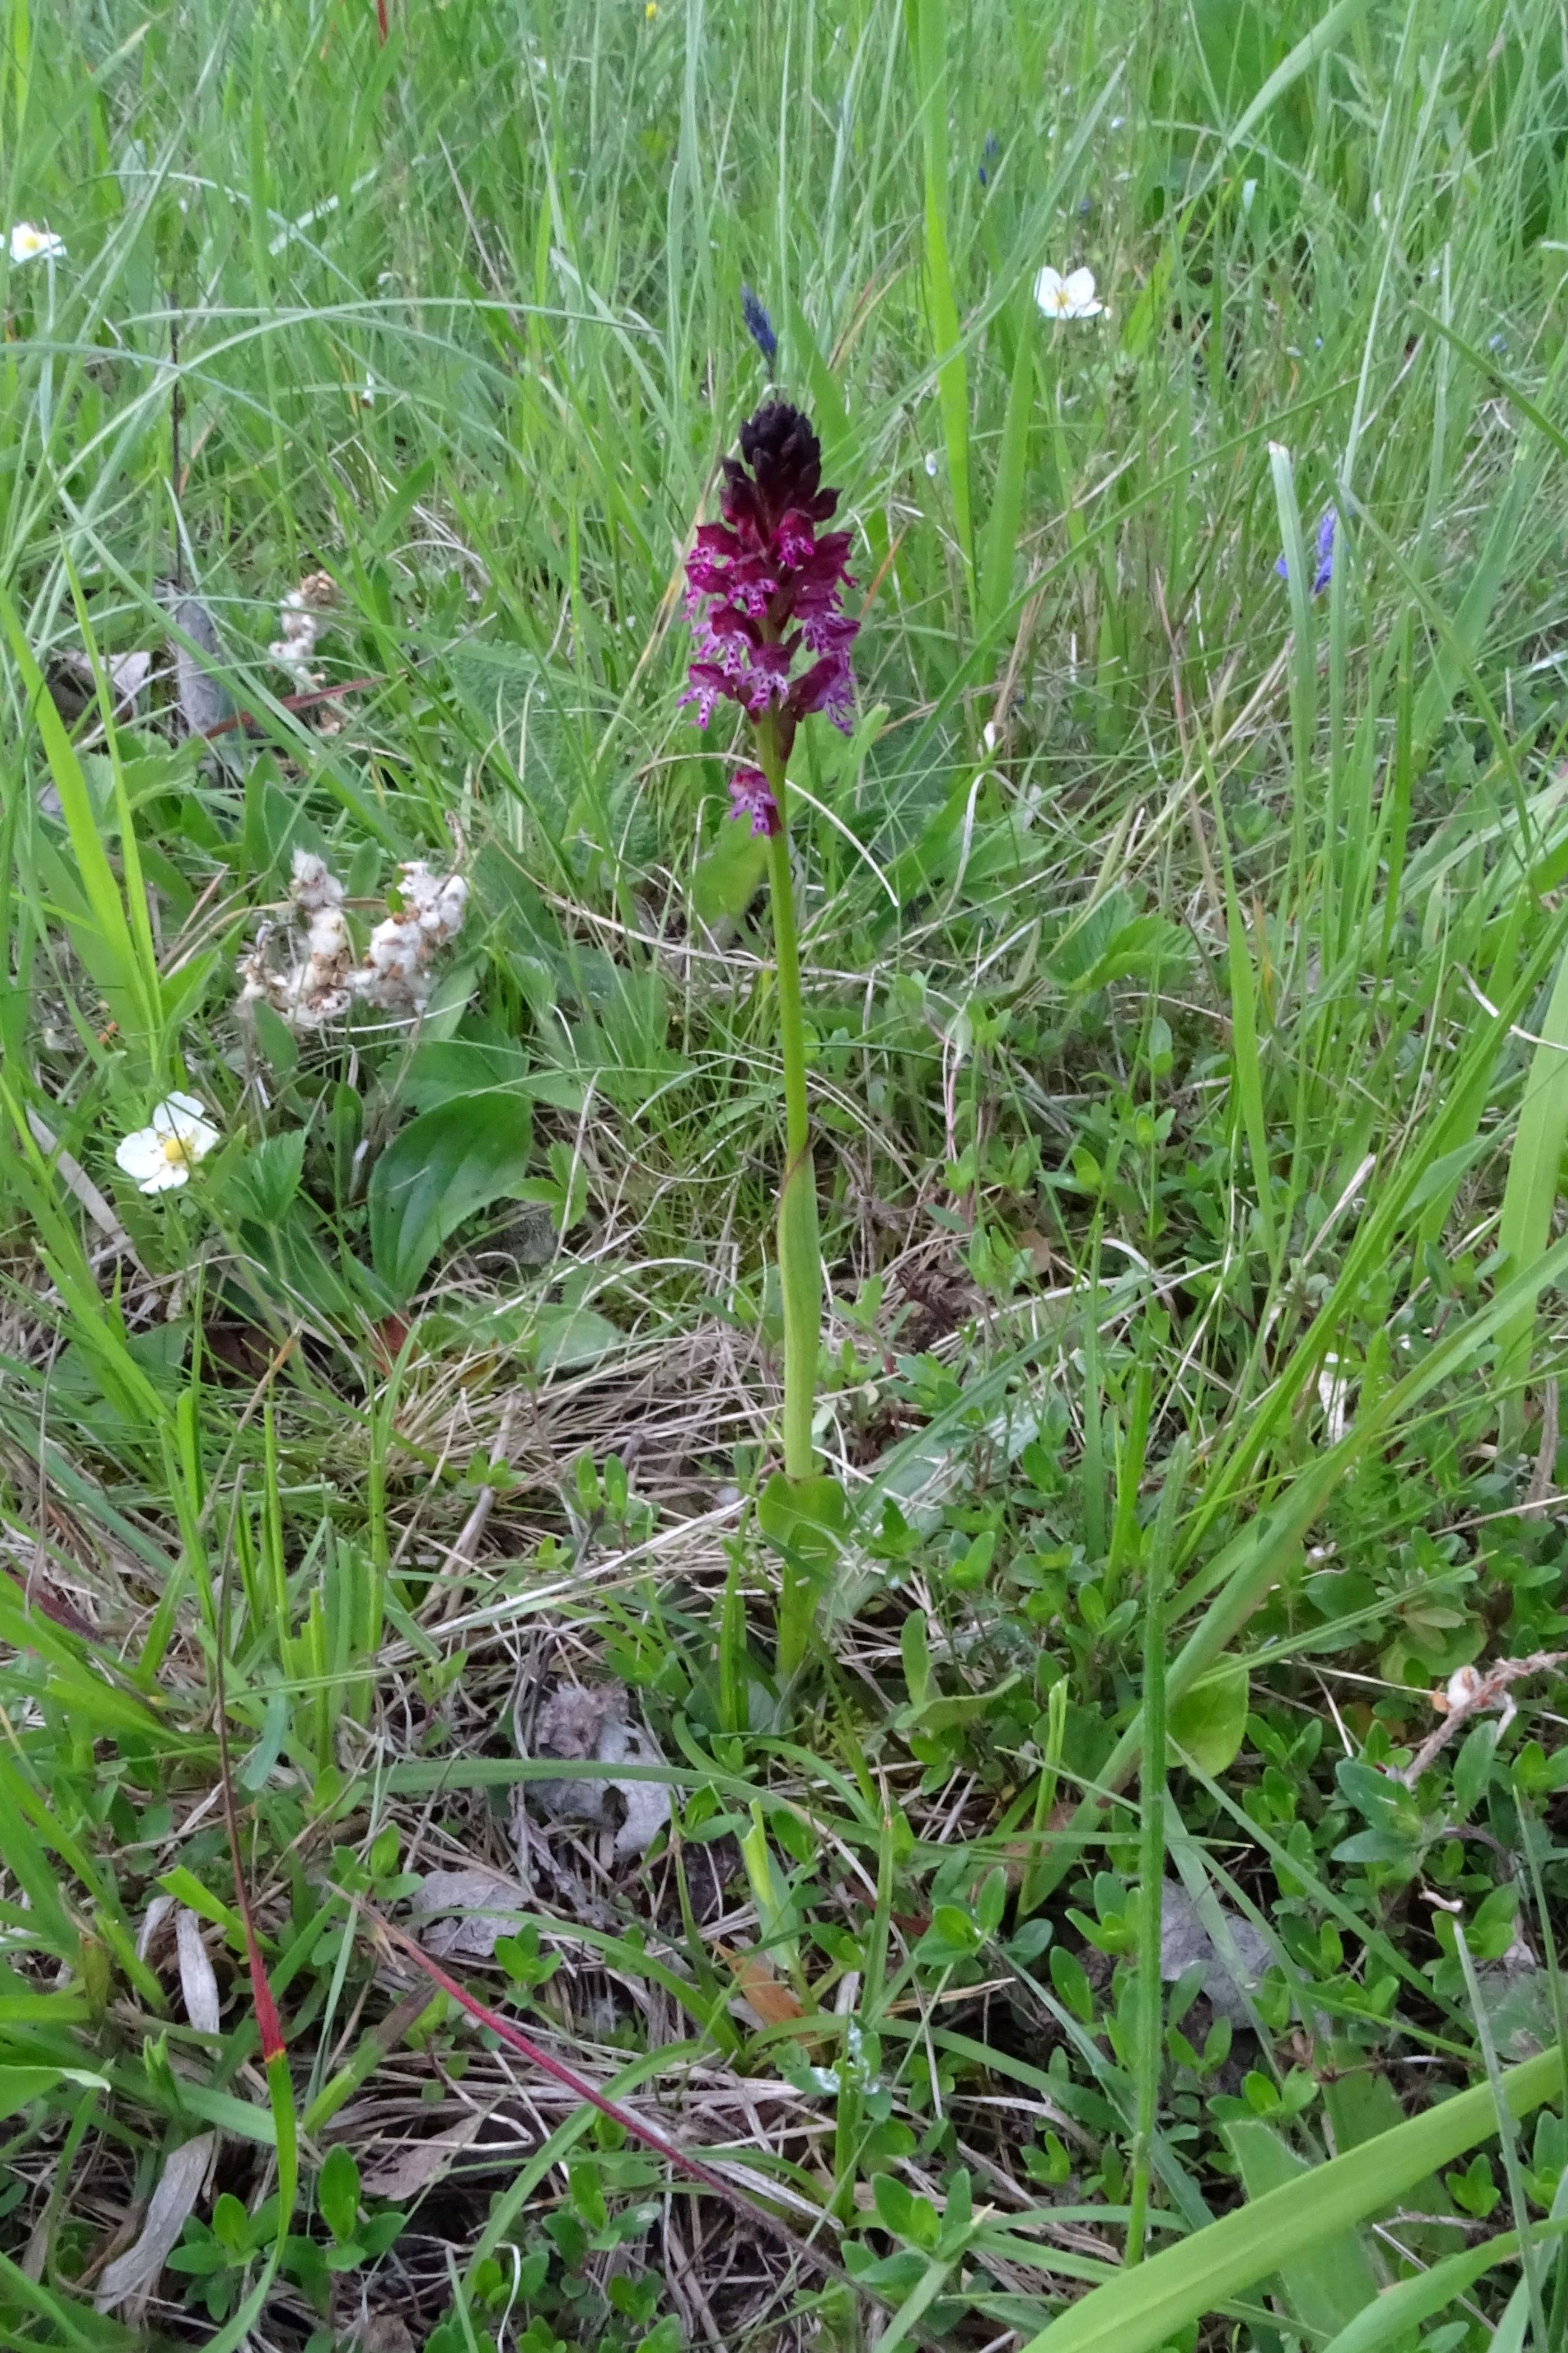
(269, 2026)
(247, 719)
(647, 2134)
(548, 2066)
(381, 20)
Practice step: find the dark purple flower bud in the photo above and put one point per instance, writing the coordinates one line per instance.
(766, 586)
(988, 154)
(759, 326)
(829, 685)
(1323, 572)
(751, 795)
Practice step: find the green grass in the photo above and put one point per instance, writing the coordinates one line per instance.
(1184, 966)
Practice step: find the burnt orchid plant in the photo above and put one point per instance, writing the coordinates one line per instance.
(770, 632)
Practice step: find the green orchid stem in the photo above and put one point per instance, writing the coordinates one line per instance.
(800, 1253)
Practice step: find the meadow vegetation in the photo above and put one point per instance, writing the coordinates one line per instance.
(415, 1703)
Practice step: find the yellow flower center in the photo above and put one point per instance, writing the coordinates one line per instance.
(175, 1151)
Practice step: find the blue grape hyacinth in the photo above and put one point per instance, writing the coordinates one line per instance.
(1328, 524)
(759, 326)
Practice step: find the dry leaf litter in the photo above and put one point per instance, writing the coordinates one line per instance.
(127, 2282)
(1228, 1975)
(591, 1724)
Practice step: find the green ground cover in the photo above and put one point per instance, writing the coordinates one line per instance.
(390, 1622)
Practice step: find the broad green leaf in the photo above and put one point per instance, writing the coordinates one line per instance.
(769, 1891)
(263, 1185)
(337, 2192)
(1325, 2287)
(894, 2203)
(917, 1657)
(1209, 1721)
(442, 1068)
(935, 1714)
(807, 1517)
(729, 875)
(1359, 2103)
(275, 1038)
(565, 1337)
(441, 1168)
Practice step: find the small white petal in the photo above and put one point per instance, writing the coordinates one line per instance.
(1048, 289)
(31, 244)
(181, 1121)
(144, 1157)
(930, 464)
(140, 1154)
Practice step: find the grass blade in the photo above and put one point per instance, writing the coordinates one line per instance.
(927, 20)
(1530, 1194)
(1149, 2303)
(1403, 2307)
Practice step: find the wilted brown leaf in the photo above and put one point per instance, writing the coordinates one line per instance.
(774, 2002)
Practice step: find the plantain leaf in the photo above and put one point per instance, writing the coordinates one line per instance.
(440, 1169)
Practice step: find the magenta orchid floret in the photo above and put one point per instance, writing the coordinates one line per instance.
(765, 589)
(751, 795)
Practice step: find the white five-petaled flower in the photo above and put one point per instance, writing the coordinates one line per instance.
(161, 1155)
(1071, 297)
(30, 244)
